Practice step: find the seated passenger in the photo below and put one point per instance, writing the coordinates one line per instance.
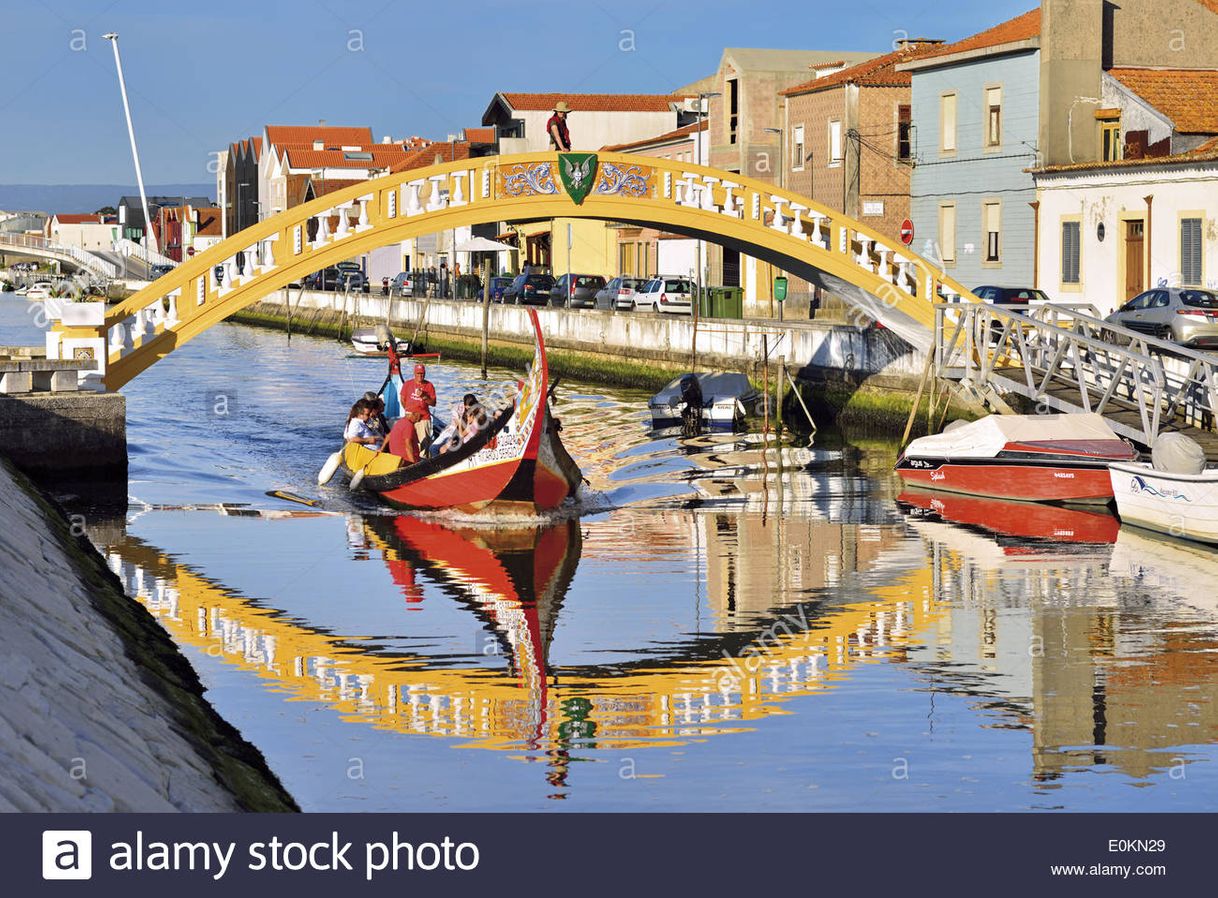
(404, 439)
(475, 423)
(359, 430)
(378, 420)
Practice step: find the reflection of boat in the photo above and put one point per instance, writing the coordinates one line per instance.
(727, 399)
(1035, 458)
(514, 579)
(1018, 519)
(1167, 568)
(517, 463)
(1183, 505)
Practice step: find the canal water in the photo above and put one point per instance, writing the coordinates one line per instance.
(704, 630)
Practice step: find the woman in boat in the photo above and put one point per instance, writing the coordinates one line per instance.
(358, 428)
(378, 420)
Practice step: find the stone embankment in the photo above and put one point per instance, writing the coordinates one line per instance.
(98, 709)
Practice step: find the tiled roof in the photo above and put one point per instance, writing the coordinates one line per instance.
(296, 135)
(1020, 28)
(684, 131)
(752, 59)
(78, 218)
(878, 72)
(383, 156)
(208, 221)
(257, 144)
(1206, 152)
(480, 135)
(440, 151)
(322, 186)
(593, 102)
(1211, 5)
(1188, 97)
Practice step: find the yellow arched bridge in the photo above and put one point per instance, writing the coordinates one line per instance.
(887, 281)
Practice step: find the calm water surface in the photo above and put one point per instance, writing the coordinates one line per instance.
(702, 632)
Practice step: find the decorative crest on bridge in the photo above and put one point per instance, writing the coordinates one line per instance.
(578, 174)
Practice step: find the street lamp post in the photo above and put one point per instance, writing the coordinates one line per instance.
(702, 98)
(149, 234)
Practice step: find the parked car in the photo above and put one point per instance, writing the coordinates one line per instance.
(1184, 315)
(577, 290)
(1012, 296)
(336, 278)
(499, 286)
(666, 294)
(402, 284)
(530, 289)
(158, 270)
(24, 266)
(618, 293)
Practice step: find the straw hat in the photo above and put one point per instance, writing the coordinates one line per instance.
(561, 106)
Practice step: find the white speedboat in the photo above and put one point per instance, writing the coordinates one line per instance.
(39, 291)
(1182, 505)
(370, 341)
(726, 400)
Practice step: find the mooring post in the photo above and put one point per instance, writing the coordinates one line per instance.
(486, 312)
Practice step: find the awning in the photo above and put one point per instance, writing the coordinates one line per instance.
(482, 245)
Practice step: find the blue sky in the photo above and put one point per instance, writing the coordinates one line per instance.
(203, 75)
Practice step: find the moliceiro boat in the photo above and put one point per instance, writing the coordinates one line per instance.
(1033, 458)
(517, 464)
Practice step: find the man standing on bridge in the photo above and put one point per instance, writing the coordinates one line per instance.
(418, 396)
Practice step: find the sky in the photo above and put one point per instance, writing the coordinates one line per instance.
(203, 75)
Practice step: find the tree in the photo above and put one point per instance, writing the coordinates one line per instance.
(106, 210)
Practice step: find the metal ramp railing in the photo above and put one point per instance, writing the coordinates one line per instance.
(1066, 358)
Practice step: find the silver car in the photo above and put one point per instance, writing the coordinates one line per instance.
(1184, 315)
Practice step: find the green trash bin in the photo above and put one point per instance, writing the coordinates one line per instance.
(723, 302)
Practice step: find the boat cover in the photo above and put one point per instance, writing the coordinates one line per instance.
(1175, 453)
(986, 437)
(715, 387)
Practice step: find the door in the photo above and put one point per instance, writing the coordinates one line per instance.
(1133, 258)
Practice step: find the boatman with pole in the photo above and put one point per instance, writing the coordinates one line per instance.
(419, 396)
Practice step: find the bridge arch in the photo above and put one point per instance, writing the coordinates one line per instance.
(887, 281)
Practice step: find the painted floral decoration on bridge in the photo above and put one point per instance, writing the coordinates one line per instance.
(627, 180)
(527, 179)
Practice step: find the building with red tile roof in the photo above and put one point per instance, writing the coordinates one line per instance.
(519, 119)
(1188, 97)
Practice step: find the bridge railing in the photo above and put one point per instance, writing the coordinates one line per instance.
(1071, 360)
(99, 267)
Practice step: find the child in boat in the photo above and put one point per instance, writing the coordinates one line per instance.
(457, 425)
(358, 428)
(378, 421)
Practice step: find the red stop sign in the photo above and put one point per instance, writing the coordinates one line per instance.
(907, 232)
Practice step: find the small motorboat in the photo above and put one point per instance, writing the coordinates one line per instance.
(1174, 493)
(727, 399)
(371, 341)
(1029, 525)
(517, 464)
(1032, 458)
(39, 291)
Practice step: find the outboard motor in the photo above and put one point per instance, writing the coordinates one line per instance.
(383, 336)
(691, 414)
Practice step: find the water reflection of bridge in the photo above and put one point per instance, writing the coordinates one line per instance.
(514, 583)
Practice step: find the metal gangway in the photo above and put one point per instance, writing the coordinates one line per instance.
(1065, 358)
(32, 244)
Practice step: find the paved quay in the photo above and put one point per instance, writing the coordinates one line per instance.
(98, 709)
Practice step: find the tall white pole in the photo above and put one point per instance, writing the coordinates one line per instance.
(149, 233)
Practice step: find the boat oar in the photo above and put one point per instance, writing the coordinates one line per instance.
(358, 477)
(329, 469)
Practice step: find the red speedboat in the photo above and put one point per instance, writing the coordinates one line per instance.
(1032, 458)
(517, 464)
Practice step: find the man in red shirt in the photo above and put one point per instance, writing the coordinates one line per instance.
(418, 396)
(556, 128)
(403, 441)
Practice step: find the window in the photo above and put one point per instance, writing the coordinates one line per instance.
(993, 113)
(1071, 250)
(1190, 251)
(992, 223)
(947, 233)
(947, 123)
(733, 110)
(625, 258)
(1110, 139)
(797, 148)
(835, 143)
(904, 132)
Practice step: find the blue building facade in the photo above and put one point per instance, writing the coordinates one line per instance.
(977, 124)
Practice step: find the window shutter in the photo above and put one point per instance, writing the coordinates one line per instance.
(1190, 251)
(948, 110)
(1070, 252)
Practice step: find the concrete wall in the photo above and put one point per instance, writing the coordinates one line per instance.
(65, 433)
(1169, 33)
(729, 345)
(974, 174)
